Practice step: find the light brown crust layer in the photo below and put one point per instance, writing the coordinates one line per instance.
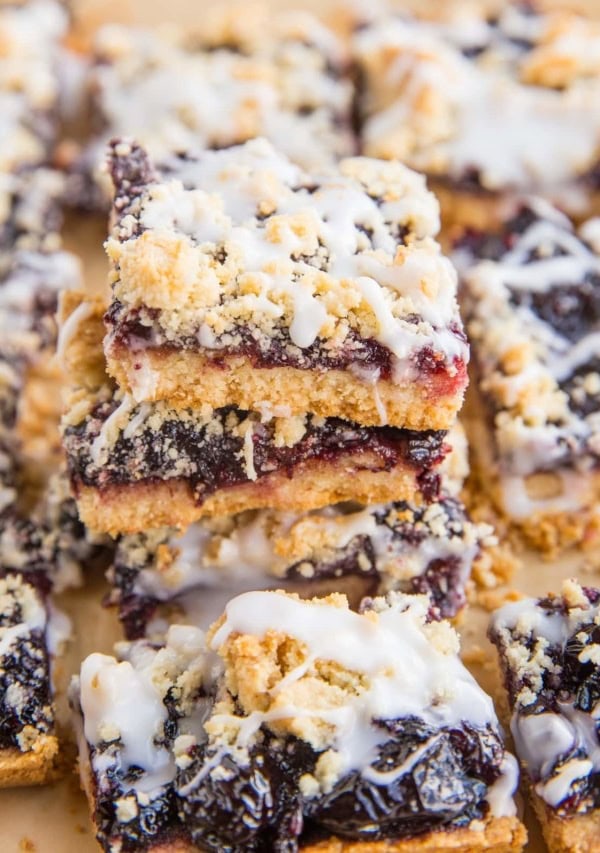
(187, 378)
(35, 767)
(579, 834)
(135, 507)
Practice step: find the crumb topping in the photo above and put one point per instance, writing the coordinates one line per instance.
(472, 99)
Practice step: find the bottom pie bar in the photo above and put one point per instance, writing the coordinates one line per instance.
(28, 742)
(550, 657)
(291, 725)
(399, 546)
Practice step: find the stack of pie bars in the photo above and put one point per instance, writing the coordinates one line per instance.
(260, 432)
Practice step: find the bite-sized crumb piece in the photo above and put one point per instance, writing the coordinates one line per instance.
(28, 745)
(550, 656)
(486, 102)
(320, 728)
(243, 280)
(532, 301)
(177, 91)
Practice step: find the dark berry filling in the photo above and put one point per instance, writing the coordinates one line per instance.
(25, 693)
(212, 457)
(256, 804)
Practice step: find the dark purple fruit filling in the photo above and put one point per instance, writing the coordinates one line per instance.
(445, 787)
(566, 683)
(257, 805)
(156, 820)
(573, 310)
(209, 461)
(25, 674)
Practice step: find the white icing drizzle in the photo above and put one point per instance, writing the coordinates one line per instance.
(541, 739)
(502, 112)
(34, 616)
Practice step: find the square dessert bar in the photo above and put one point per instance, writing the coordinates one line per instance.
(532, 302)
(249, 282)
(550, 656)
(283, 78)
(486, 105)
(30, 36)
(321, 729)
(28, 743)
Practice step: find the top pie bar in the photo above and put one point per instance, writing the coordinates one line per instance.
(487, 104)
(242, 280)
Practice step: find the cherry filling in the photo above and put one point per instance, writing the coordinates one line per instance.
(211, 457)
(138, 330)
(257, 804)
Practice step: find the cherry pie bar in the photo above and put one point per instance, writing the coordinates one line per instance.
(296, 725)
(175, 93)
(532, 302)
(486, 106)
(28, 743)
(550, 656)
(249, 282)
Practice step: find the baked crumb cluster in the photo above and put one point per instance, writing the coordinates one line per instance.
(26, 710)
(294, 744)
(550, 654)
(532, 297)
(176, 91)
(429, 549)
(488, 104)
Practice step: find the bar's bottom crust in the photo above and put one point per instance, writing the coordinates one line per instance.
(498, 835)
(35, 767)
(136, 507)
(189, 379)
(577, 834)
